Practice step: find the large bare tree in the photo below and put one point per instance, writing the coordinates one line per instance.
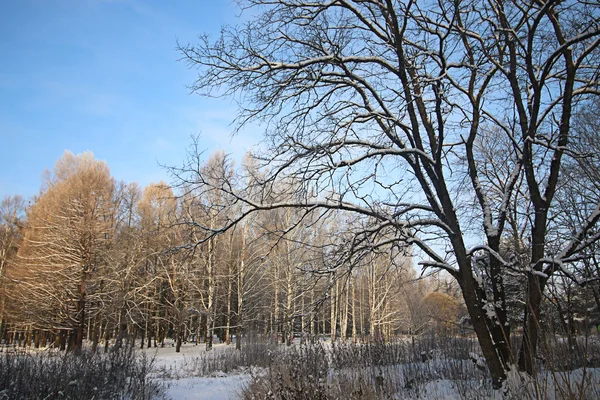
(65, 246)
(378, 107)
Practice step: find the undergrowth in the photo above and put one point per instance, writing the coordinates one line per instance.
(427, 367)
(50, 375)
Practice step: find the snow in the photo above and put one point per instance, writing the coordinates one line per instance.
(442, 389)
(540, 273)
(490, 311)
(176, 370)
(478, 360)
(221, 388)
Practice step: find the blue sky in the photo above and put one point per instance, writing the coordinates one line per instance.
(103, 75)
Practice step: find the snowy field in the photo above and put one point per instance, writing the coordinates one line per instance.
(214, 388)
(366, 371)
(177, 372)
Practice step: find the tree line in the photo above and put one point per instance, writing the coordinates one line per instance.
(94, 260)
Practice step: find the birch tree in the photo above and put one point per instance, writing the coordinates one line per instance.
(12, 210)
(206, 207)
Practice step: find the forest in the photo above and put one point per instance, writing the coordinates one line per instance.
(427, 168)
(99, 260)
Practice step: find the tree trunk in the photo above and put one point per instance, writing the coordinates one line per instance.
(240, 293)
(62, 340)
(531, 328)
(289, 318)
(333, 296)
(353, 283)
(535, 288)
(95, 334)
(480, 325)
(229, 289)
(275, 324)
(178, 343)
(210, 306)
(344, 327)
(313, 318)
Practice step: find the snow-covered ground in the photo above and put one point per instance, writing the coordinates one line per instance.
(177, 372)
(217, 388)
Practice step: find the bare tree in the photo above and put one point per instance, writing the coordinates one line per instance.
(12, 210)
(376, 107)
(65, 245)
(581, 192)
(165, 273)
(205, 207)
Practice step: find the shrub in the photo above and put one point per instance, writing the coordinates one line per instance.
(49, 375)
(425, 367)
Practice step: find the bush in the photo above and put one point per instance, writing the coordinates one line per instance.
(425, 367)
(365, 371)
(49, 375)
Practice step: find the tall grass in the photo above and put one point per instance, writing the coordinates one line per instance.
(49, 375)
(400, 369)
(428, 367)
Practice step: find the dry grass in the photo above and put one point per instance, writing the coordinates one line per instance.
(50, 375)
